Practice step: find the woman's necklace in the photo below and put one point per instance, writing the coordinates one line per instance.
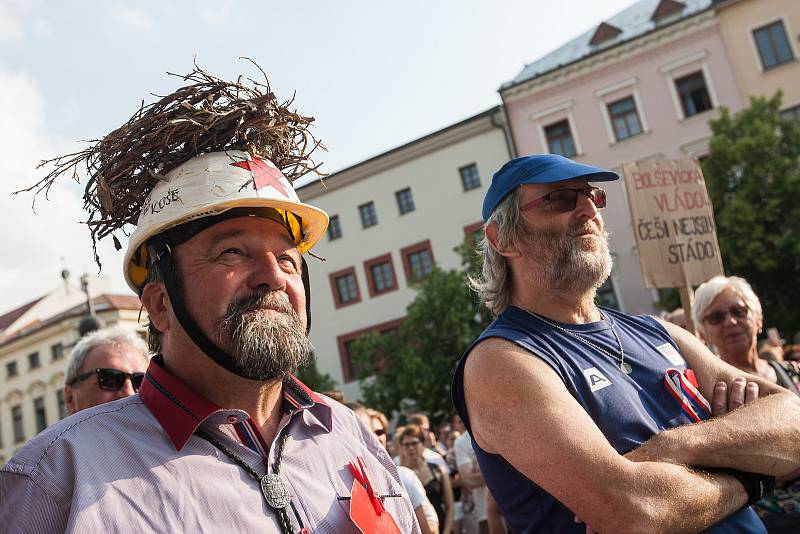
(623, 366)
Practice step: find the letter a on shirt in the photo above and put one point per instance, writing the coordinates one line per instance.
(595, 379)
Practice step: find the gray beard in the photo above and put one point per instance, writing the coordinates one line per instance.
(265, 345)
(563, 265)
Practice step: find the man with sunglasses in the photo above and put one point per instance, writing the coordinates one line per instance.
(104, 365)
(581, 415)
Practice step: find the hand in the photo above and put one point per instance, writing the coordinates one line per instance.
(726, 399)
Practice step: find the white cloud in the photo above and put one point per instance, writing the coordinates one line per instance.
(34, 243)
(132, 18)
(216, 11)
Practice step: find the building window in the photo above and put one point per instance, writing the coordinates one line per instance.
(792, 114)
(62, 407)
(41, 417)
(345, 287)
(773, 45)
(470, 179)
(693, 94)
(405, 202)
(624, 118)
(380, 275)
(334, 228)
(345, 343)
(605, 295)
(369, 217)
(57, 351)
(559, 139)
(417, 260)
(16, 417)
(11, 369)
(33, 361)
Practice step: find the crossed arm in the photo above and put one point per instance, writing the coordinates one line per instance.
(549, 437)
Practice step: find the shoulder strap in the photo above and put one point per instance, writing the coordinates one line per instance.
(783, 377)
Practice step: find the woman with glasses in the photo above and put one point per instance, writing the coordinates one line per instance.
(434, 478)
(727, 314)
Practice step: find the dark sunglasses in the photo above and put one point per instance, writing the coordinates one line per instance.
(111, 379)
(563, 200)
(717, 317)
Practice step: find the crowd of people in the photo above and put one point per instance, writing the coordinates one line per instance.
(571, 417)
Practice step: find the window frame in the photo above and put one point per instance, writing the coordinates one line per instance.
(565, 122)
(683, 97)
(409, 201)
(39, 409)
(792, 113)
(405, 252)
(334, 222)
(783, 23)
(374, 214)
(372, 262)
(345, 359)
(34, 357)
(18, 423)
(634, 112)
(56, 351)
(12, 366)
(333, 277)
(477, 176)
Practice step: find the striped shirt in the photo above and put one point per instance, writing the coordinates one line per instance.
(136, 464)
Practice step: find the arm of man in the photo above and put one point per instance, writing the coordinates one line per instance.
(545, 434)
(760, 437)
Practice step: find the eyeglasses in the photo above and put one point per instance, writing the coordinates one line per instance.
(563, 200)
(410, 444)
(717, 317)
(111, 379)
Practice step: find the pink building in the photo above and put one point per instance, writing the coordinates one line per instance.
(641, 85)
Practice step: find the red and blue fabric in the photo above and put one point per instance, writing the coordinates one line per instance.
(683, 388)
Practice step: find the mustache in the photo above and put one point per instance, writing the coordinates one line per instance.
(259, 299)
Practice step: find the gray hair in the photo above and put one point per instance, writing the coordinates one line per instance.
(493, 286)
(112, 336)
(708, 291)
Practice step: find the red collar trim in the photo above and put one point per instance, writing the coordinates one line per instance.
(179, 410)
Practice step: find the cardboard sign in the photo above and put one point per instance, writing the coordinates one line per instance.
(673, 222)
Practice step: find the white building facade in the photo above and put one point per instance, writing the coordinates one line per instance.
(35, 342)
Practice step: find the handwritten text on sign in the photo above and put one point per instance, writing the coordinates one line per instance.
(673, 222)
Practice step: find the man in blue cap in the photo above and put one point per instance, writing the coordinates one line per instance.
(582, 414)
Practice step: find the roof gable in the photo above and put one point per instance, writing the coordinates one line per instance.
(603, 33)
(666, 8)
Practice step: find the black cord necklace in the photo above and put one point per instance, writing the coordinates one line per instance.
(275, 492)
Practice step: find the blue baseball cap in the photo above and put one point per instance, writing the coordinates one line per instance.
(538, 169)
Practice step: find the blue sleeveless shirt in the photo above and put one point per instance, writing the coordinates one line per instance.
(628, 409)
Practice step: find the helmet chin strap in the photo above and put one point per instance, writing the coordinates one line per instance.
(187, 322)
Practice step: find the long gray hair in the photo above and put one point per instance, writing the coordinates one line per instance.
(493, 286)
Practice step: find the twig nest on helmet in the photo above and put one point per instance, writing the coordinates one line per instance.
(207, 114)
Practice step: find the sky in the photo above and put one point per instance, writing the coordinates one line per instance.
(374, 74)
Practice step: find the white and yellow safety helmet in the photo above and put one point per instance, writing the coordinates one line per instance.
(210, 185)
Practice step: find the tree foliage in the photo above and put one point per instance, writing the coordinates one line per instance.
(753, 177)
(314, 378)
(416, 361)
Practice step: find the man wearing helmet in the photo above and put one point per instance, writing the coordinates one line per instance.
(221, 435)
